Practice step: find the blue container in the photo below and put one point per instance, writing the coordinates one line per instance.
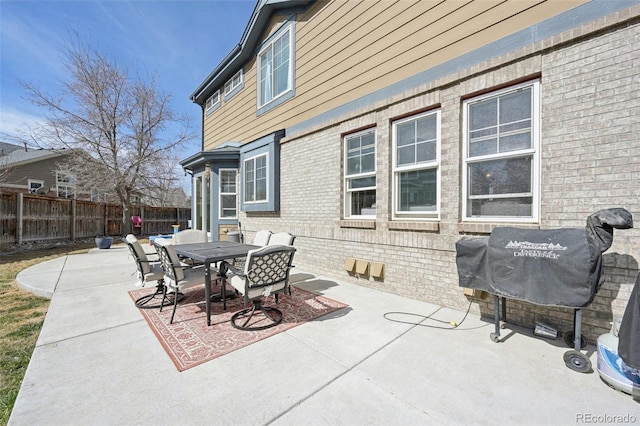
(612, 368)
(104, 242)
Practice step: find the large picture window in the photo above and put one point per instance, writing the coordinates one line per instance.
(501, 134)
(275, 67)
(416, 157)
(360, 174)
(228, 194)
(255, 179)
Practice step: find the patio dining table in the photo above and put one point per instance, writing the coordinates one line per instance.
(209, 253)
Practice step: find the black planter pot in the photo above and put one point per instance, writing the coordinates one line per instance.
(104, 242)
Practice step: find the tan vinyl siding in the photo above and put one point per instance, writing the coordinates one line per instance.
(346, 50)
(43, 170)
(274, 24)
(229, 121)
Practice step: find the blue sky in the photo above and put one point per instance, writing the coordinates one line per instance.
(179, 42)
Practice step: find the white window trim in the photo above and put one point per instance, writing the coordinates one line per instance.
(202, 182)
(288, 32)
(68, 186)
(229, 86)
(244, 180)
(34, 181)
(534, 151)
(214, 104)
(347, 198)
(220, 194)
(435, 164)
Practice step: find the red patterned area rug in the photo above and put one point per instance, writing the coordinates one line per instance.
(189, 342)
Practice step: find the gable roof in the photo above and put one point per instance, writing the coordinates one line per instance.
(243, 51)
(16, 155)
(6, 148)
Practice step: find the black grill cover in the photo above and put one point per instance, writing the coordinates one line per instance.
(552, 267)
(629, 334)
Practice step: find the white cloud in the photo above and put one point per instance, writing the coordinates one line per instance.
(14, 122)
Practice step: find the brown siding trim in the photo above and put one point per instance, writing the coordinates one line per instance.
(413, 226)
(359, 129)
(416, 112)
(502, 86)
(358, 224)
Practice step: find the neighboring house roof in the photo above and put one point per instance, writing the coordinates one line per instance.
(6, 148)
(244, 50)
(21, 156)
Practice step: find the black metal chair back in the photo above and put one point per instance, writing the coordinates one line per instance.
(269, 265)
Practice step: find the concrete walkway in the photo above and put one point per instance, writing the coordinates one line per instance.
(98, 363)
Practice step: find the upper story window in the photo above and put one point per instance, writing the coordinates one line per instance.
(234, 84)
(255, 179)
(275, 68)
(212, 103)
(416, 161)
(360, 175)
(501, 155)
(228, 194)
(65, 185)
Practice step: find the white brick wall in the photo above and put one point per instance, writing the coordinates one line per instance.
(590, 159)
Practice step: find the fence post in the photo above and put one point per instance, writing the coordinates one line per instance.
(19, 217)
(104, 220)
(73, 220)
(144, 220)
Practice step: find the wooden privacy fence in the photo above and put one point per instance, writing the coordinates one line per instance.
(30, 217)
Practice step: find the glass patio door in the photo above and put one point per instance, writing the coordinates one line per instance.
(201, 189)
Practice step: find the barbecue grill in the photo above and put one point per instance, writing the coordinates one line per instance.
(549, 267)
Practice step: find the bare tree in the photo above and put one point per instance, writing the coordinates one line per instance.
(164, 190)
(122, 127)
(5, 168)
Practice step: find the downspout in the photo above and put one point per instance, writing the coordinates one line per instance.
(202, 127)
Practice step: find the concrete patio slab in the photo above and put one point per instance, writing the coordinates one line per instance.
(368, 404)
(42, 279)
(362, 328)
(87, 310)
(95, 276)
(383, 360)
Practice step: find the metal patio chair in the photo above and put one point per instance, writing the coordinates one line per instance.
(266, 272)
(147, 271)
(282, 239)
(177, 276)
